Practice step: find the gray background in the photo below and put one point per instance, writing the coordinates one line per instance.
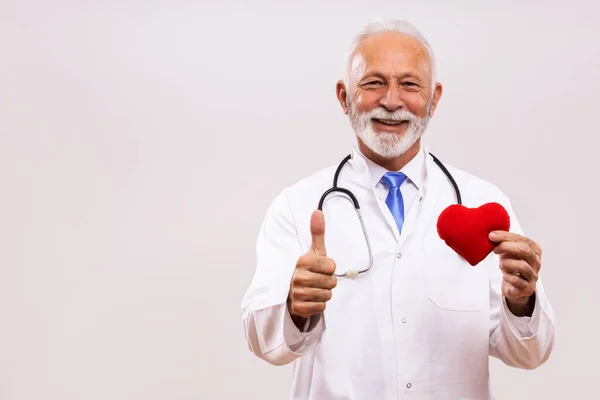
(141, 142)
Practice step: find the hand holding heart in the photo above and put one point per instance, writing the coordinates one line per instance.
(475, 232)
(520, 262)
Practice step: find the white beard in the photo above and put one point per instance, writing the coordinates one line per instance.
(387, 144)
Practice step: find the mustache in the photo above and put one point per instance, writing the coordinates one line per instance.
(400, 114)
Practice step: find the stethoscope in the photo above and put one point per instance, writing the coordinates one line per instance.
(350, 197)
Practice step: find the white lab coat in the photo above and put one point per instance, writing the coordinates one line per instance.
(420, 324)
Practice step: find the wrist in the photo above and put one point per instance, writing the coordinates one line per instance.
(522, 307)
(298, 320)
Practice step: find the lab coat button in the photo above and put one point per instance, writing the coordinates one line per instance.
(408, 385)
(403, 320)
(399, 255)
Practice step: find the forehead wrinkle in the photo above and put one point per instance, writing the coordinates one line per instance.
(416, 52)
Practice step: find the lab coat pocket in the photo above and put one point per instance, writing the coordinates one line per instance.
(456, 290)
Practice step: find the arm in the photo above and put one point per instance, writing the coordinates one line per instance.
(270, 332)
(522, 330)
(521, 342)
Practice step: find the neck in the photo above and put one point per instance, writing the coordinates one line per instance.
(391, 164)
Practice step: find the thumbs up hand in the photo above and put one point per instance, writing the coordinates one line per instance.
(313, 278)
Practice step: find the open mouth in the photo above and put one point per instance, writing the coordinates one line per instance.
(390, 122)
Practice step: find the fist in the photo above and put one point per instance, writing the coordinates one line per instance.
(313, 277)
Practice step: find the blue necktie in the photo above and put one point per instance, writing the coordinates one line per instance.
(394, 200)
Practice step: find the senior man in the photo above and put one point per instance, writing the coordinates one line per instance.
(388, 310)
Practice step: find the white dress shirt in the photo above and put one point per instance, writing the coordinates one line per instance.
(414, 171)
(420, 324)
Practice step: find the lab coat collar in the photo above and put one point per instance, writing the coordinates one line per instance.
(415, 169)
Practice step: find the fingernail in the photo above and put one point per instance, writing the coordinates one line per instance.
(493, 235)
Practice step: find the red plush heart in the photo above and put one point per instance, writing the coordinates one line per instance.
(466, 229)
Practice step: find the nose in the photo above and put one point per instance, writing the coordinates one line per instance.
(392, 100)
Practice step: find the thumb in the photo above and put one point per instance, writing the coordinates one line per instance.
(317, 231)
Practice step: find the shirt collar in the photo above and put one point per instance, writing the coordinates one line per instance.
(414, 169)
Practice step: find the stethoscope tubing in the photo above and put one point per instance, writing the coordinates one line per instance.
(350, 197)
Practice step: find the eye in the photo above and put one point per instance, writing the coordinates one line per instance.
(410, 86)
(372, 84)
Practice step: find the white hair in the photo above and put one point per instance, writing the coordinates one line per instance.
(380, 26)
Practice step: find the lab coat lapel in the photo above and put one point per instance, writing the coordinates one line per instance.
(387, 215)
(361, 177)
(417, 214)
(437, 192)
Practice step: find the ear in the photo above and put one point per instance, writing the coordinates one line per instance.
(341, 93)
(437, 94)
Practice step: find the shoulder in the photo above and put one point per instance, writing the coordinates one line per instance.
(312, 184)
(305, 192)
(475, 186)
(476, 191)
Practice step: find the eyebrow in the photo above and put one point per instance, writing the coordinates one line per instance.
(381, 76)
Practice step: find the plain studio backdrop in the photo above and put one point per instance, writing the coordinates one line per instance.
(142, 142)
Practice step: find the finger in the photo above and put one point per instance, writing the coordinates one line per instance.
(517, 250)
(513, 293)
(519, 268)
(323, 265)
(305, 278)
(307, 308)
(317, 231)
(504, 236)
(516, 282)
(317, 264)
(510, 291)
(311, 294)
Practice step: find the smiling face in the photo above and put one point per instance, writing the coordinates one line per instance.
(389, 97)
